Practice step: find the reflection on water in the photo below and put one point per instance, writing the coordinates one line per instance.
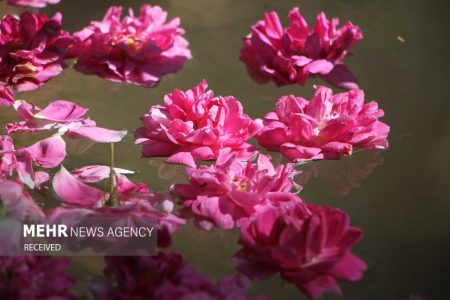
(344, 175)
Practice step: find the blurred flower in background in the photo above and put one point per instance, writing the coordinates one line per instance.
(165, 276)
(35, 277)
(32, 49)
(32, 3)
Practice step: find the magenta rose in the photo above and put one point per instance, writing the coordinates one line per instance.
(326, 127)
(235, 189)
(308, 245)
(195, 125)
(291, 55)
(138, 50)
(32, 48)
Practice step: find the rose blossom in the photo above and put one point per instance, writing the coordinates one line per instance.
(35, 277)
(32, 48)
(166, 276)
(293, 54)
(137, 50)
(195, 125)
(308, 245)
(326, 127)
(32, 3)
(234, 189)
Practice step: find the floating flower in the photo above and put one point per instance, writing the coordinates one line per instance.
(32, 50)
(32, 3)
(195, 125)
(64, 116)
(293, 54)
(308, 245)
(137, 50)
(165, 276)
(35, 277)
(136, 203)
(235, 189)
(47, 153)
(326, 127)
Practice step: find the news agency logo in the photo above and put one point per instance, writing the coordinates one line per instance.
(44, 230)
(87, 236)
(61, 230)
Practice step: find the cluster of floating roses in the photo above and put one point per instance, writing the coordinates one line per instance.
(307, 244)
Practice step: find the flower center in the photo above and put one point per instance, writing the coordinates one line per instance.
(128, 40)
(239, 184)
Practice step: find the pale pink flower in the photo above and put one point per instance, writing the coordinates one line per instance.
(235, 189)
(293, 54)
(35, 277)
(308, 245)
(47, 153)
(135, 200)
(137, 50)
(64, 116)
(32, 49)
(195, 125)
(326, 127)
(32, 3)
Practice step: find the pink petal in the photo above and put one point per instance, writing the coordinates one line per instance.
(62, 111)
(49, 152)
(321, 66)
(96, 173)
(184, 158)
(300, 153)
(73, 191)
(342, 77)
(97, 134)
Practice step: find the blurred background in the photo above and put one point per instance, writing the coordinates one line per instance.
(400, 197)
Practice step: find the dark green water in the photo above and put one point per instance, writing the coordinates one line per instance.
(403, 205)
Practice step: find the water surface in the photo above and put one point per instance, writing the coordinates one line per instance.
(399, 197)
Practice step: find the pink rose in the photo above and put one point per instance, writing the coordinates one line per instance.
(326, 127)
(195, 125)
(293, 54)
(137, 50)
(235, 189)
(32, 49)
(308, 245)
